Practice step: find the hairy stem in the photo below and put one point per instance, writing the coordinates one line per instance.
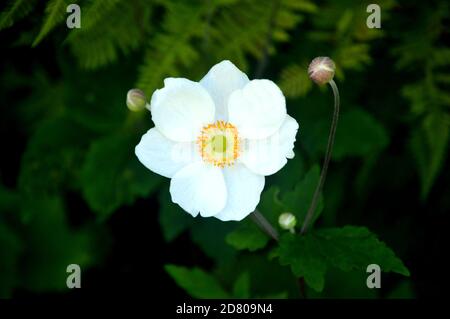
(264, 224)
(326, 160)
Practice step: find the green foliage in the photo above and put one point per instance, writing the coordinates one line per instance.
(54, 14)
(100, 41)
(48, 253)
(14, 11)
(248, 236)
(172, 218)
(112, 176)
(196, 282)
(349, 248)
(11, 247)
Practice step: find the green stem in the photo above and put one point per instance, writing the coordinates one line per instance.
(326, 160)
(264, 224)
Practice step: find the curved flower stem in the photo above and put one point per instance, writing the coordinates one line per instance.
(326, 160)
(264, 224)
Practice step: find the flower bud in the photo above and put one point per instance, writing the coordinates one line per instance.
(321, 70)
(136, 100)
(287, 221)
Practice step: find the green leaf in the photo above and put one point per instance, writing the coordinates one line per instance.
(196, 282)
(294, 81)
(303, 255)
(358, 134)
(51, 245)
(15, 10)
(112, 176)
(349, 248)
(209, 234)
(55, 12)
(429, 144)
(241, 288)
(53, 157)
(9, 200)
(172, 218)
(247, 236)
(11, 247)
(299, 199)
(354, 248)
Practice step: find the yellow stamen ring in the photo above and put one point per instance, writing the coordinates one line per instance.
(219, 144)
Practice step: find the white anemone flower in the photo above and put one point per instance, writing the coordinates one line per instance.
(217, 139)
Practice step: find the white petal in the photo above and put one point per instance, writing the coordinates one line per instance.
(163, 156)
(181, 109)
(199, 187)
(257, 110)
(223, 79)
(244, 190)
(268, 156)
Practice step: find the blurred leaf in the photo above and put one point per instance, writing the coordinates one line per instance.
(100, 42)
(209, 234)
(51, 246)
(299, 199)
(11, 247)
(15, 10)
(172, 218)
(55, 13)
(9, 199)
(53, 156)
(429, 144)
(294, 81)
(404, 290)
(112, 176)
(241, 288)
(358, 134)
(196, 282)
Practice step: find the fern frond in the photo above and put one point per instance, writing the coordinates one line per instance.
(15, 10)
(173, 48)
(294, 81)
(96, 11)
(54, 14)
(102, 44)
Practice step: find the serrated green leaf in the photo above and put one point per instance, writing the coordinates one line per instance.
(354, 248)
(112, 176)
(349, 248)
(196, 282)
(303, 255)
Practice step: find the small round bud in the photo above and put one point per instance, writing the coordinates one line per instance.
(136, 100)
(321, 70)
(287, 221)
